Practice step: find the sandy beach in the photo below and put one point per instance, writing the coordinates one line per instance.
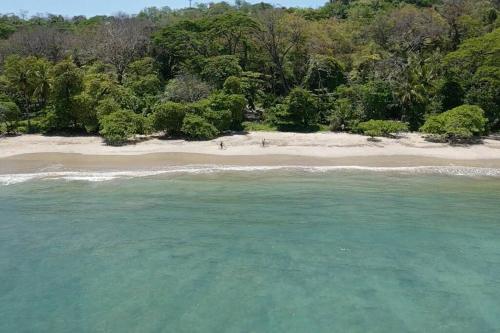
(29, 153)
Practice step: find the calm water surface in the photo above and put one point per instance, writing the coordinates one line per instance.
(252, 252)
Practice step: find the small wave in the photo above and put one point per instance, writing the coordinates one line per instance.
(10, 179)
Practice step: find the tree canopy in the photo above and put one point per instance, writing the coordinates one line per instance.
(217, 65)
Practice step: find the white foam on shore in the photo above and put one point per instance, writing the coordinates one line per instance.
(9, 179)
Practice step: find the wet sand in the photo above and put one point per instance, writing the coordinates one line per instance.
(47, 162)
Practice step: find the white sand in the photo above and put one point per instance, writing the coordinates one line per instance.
(329, 145)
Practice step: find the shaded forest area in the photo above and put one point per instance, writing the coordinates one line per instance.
(366, 66)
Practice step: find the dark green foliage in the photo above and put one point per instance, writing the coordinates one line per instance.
(67, 83)
(274, 114)
(387, 128)
(452, 94)
(198, 128)
(232, 85)
(177, 43)
(234, 103)
(345, 115)
(347, 62)
(324, 72)
(9, 115)
(376, 99)
(461, 123)
(107, 106)
(476, 67)
(168, 117)
(96, 99)
(473, 54)
(118, 127)
(142, 78)
(199, 107)
(301, 109)
(252, 84)
(49, 123)
(218, 69)
(485, 92)
(232, 28)
(220, 119)
(6, 30)
(27, 82)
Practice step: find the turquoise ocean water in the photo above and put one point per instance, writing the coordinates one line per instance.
(267, 251)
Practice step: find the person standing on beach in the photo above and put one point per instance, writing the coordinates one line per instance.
(263, 143)
(221, 145)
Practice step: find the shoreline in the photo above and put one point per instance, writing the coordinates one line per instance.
(36, 153)
(92, 168)
(64, 162)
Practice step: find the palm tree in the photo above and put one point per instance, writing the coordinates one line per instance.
(28, 83)
(413, 88)
(41, 85)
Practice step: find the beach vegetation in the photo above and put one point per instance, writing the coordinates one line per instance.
(324, 73)
(9, 116)
(67, 83)
(118, 127)
(198, 128)
(218, 69)
(258, 127)
(462, 123)
(385, 128)
(345, 116)
(169, 117)
(356, 66)
(299, 111)
(234, 103)
(26, 80)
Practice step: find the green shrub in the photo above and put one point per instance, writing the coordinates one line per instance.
(252, 86)
(258, 126)
(22, 129)
(49, 122)
(9, 115)
(434, 125)
(220, 119)
(67, 83)
(461, 123)
(199, 107)
(385, 128)
(232, 85)
(168, 117)
(324, 72)
(107, 106)
(299, 111)
(142, 77)
(375, 98)
(232, 102)
(197, 127)
(217, 69)
(31, 126)
(118, 127)
(302, 108)
(274, 114)
(344, 116)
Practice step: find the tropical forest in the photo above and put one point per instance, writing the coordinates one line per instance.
(373, 67)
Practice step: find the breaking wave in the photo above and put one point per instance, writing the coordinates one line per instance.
(94, 176)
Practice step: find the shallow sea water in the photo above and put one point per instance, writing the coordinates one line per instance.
(266, 251)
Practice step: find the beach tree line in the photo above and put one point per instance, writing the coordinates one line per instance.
(377, 67)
